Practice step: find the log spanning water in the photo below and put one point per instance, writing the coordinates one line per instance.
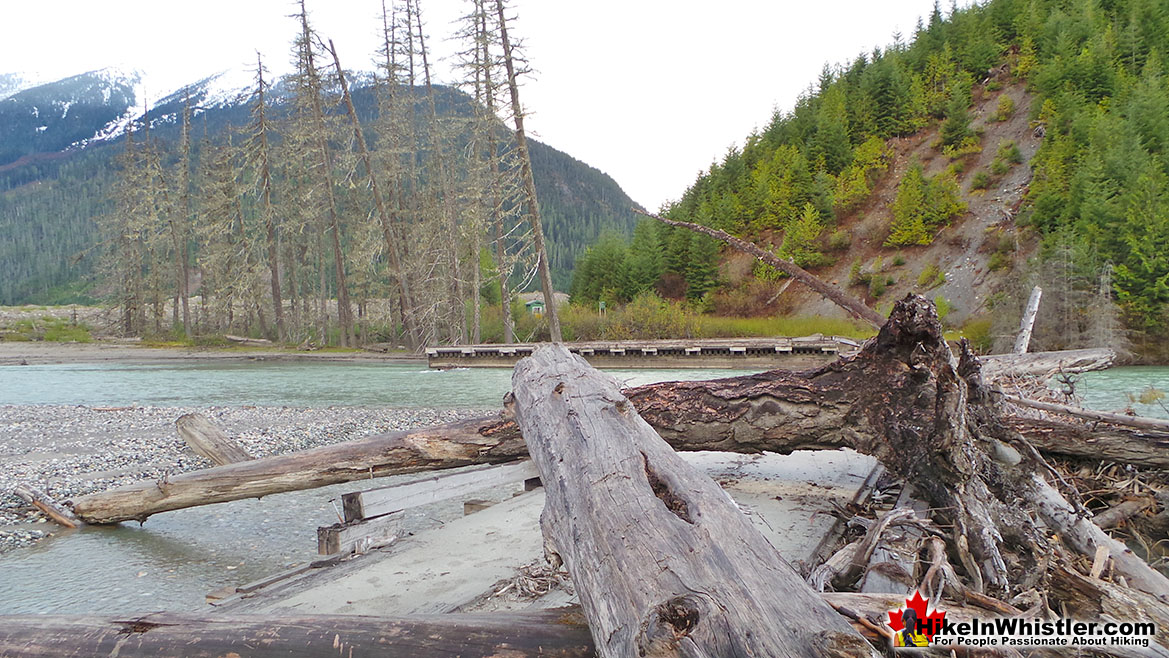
(780, 352)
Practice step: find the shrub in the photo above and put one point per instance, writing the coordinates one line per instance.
(998, 167)
(998, 260)
(931, 277)
(994, 85)
(977, 331)
(1008, 151)
(839, 240)
(981, 180)
(649, 317)
(898, 260)
(944, 307)
(877, 286)
(1005, 109)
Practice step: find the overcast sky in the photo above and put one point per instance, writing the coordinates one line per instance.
(648, 91)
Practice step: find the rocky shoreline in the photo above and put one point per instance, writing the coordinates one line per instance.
(67, 450)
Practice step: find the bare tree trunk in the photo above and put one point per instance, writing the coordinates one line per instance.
(521, 139)
(1028, 321)
(836, 295)
(383, 214)
(264, 154)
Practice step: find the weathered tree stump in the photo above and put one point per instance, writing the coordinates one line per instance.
(663, 560)
(927, 417)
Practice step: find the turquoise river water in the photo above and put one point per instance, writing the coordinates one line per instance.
(177, 557)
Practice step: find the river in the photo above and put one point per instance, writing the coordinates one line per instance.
(177, 557)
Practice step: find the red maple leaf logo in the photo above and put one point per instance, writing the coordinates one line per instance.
(931, 621)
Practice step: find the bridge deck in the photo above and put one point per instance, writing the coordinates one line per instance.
(785, 352)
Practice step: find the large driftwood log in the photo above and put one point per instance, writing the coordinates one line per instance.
(477, 441)
(814, 425)
(1098, 443)
(1046, 364)
(664, 562)
(177, 635)
(928, 418)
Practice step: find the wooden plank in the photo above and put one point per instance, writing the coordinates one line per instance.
(664, 562)
(184, 635)
(357, 536)
(385, 500)
(206, 439)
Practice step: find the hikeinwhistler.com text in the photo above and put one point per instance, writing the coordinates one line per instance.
(1022, 632)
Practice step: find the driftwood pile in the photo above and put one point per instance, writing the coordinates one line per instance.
(665, 564)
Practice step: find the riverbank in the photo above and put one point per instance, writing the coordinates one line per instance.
(14, 353)
(68, 451)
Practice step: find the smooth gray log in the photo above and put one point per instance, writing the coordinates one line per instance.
(663, 560)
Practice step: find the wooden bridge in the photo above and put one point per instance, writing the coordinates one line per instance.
(785, 352)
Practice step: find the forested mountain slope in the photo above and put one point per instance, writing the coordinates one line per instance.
(1009, 143)
(59, 143)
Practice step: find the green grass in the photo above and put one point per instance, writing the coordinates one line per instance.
(46, 328)
(710, 326)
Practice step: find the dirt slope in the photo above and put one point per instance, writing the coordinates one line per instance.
(961, 250)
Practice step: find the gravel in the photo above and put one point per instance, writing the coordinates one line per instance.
(68, 451)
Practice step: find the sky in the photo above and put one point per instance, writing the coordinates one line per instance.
(650, 92)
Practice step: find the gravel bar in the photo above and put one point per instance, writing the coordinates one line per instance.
(67, 451)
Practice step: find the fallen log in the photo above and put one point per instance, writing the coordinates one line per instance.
(249, 342)
(816, 424)
(177, 635)
(46, 505)
(854, 306)
(664, 562)
(1120, 445)
(1124, 420)
(207, 440)
(385, 500)
(1046, 364)
(476, 441)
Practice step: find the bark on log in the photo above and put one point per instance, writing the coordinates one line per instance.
(928, 418)
(1098, 444)
(178, 635)
(207, 440)
(477, 441)
(854, 306)
(664, 562)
